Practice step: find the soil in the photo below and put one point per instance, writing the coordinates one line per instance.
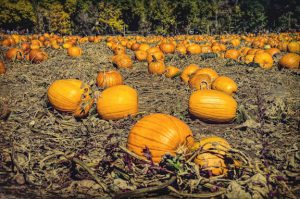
(38, 144)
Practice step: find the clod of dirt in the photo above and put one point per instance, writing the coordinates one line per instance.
(4, 109)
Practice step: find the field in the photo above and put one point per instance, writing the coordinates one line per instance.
(44, 152)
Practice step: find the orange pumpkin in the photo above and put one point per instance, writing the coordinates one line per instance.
(181, 49)
(273, 51)
(144, 47)
(209, 71)
(194, 49)
(117, 102)
(290, 60)
(161, 134)
(141, 55)
(14, 53)
(157, 55)
(232, 54)
(167, 48)
(264, 60)
(294, 47)
(225, 84)
(156, 67)
(122, 61)
(172, 71)
(200, 82)
(109, 79)
(212, 106)
(213, 144)
(71, 96)
(188, 72)
(2, 68)
(74, 51)
(37, 56)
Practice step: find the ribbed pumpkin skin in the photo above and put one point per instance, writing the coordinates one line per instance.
(212, 162)
(117, 102)
(109, 79)
(71, 96)
(225, 84)
(212, 106)
(157, 67)
(188, 71)
(161, 133)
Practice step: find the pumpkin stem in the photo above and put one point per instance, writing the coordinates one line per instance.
(204, 85)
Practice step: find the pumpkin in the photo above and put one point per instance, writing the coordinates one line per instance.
(248, 59)
(235, 42)
(109, 79)
(117, 102)
(2, 68)
(14, 53)
(167, 48)
(135, 46)
(273, 51)
(74, 51)
(206, 49)
(156, 67)
(71, 96)
(161, 134)
(212, 154)
(144, 47)
(141, 55)
(37, 56)
(290, 60)
(157, 55)
(200, 82)
(188, 71)
(172, 71)
(294, 47)
(181, 49)
(194, 49)
(212, 106)
(232, 54)
(209, 71)
(264, 60)
(225, 84)
(122, 61)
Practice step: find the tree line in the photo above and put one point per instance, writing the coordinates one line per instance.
(88, 17)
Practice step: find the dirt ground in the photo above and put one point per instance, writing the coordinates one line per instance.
(38, 144)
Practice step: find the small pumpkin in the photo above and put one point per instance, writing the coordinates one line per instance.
(167, 48)
(181, 49)
(157, 55)
(232, 54)
(2, 68)
(212, 155)
(188, 72)
(70, 96)
(212, 106)
(156, 67)
(14, 53)
(161, 134)
(209, 71)
(37, 56)
(172, 71)
(225, 84)
(122, 61)
(264, 60)
(294, 47)
(200, 82)
(141, 55)
(117, 102)
(194, 49)
(74, 51)
(290, 60)
(107, 79)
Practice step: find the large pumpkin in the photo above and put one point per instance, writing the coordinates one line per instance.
(71, 96)
(294, 47)
(290, 60)
(224, 84)
(213, 106)
(161, 134)
(156, 67)
(37, 56)
(107, 79)
(2, 67)
(14, 53)
(200, 82)
(117, 102)
(232, 54)
(208, 71)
